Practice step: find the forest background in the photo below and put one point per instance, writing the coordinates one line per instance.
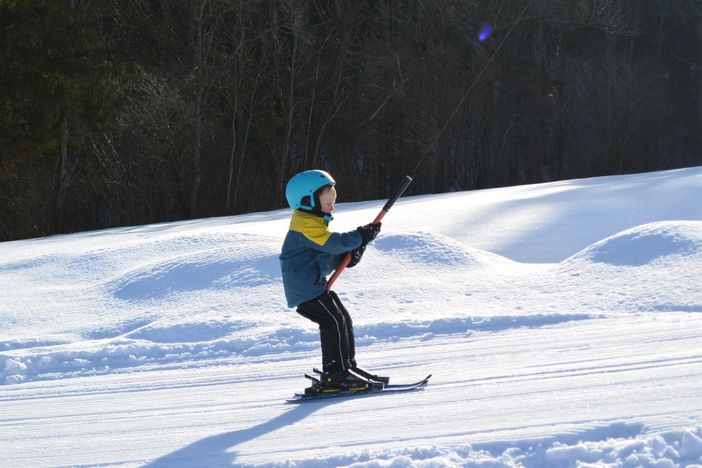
(126, 112)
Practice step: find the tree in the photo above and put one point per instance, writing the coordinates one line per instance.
(116, 112)
(57, 83)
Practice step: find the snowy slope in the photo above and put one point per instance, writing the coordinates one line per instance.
(562, 323)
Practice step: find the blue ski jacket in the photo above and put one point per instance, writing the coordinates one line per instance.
(310, 252)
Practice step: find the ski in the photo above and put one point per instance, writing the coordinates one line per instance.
(390, 388)
(416, 384)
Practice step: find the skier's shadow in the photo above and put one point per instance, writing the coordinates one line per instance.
(217, 450)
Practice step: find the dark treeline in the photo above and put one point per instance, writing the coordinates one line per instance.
(123, 112)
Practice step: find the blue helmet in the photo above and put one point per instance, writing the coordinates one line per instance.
(301, 188)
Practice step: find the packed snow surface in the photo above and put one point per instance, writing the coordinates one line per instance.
(562, 323)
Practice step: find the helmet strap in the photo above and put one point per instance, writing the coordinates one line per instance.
(310, 204)
(306, 203)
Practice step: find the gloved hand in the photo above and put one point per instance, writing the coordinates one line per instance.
(369, 232)
(356, 255)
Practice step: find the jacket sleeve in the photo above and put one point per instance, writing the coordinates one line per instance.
(339, 243)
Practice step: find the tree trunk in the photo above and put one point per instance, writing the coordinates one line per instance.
(63, 175)
(197, 157)
(291, 115)
(241, 159)
(246, 138)
(196, 165)
(231, 159)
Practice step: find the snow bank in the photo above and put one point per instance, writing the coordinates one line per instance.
(189, 343)
(663, 450)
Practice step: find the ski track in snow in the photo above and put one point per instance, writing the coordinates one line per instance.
(588, 357)
(526, 396)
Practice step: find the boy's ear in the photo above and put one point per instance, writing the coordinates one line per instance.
(306, 201)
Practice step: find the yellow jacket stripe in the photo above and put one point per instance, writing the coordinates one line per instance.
(311, 226)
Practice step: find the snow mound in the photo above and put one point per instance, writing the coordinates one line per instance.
(433, 249)
(243, 261)
(655, 243)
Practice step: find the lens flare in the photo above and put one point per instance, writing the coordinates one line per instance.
(485, 33)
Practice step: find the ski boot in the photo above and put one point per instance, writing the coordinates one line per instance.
(332, 382)
(363, 374)
(369, 376)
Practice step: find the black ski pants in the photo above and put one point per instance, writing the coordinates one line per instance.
(335, 330)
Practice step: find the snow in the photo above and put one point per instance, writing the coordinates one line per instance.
(561, 323)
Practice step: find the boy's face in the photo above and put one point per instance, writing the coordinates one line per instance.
(327, 198)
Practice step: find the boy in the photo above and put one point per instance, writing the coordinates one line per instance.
(310, 252)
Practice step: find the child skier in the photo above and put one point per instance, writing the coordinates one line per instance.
(310, 252)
